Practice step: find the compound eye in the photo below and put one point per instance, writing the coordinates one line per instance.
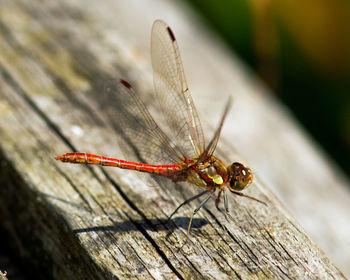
(241, 176)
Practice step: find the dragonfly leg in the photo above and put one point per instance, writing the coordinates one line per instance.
(227, 209)
(186, 202)
(247, 196)
(218, 200)
(194, 213)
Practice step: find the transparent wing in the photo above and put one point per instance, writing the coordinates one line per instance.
(214, 141)
(172, 92)
(128, 114)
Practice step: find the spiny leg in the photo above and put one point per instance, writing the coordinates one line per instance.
(217, 200)
(186, 202)
(247, 196)
(194, 213)
(227, 209)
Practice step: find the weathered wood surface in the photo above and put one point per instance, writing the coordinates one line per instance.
(74, 222)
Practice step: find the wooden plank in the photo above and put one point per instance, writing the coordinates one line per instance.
(88, 223)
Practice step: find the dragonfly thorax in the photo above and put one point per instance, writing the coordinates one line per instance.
(208, 174)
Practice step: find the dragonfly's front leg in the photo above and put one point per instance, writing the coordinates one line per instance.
(218, 200)
(227, 209)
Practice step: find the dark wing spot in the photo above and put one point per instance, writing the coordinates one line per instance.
(171, 34)
(126, 84)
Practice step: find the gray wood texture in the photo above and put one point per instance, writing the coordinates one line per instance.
(78, 222)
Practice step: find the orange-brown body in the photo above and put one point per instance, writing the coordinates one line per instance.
(210, 174)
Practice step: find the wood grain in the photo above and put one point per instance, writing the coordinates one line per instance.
(77, 222)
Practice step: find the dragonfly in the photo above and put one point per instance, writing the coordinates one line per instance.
(181, 147)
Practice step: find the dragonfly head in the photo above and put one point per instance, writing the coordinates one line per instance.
(241, 176)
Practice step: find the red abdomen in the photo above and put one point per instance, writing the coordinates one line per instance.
(84, 158)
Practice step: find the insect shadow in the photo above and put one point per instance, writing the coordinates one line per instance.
(153, 225)
(135, 225)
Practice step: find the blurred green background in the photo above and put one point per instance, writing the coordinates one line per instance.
(301, 49)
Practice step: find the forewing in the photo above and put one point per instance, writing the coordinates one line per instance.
(172, 92)
(209, 150)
